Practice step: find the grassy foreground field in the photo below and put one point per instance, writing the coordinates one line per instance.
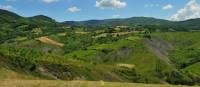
(52, 83)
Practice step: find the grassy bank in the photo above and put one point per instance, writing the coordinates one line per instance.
(52, 83)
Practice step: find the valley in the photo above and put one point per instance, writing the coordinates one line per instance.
(44, 53)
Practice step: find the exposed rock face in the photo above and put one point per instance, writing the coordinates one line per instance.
(159, 47)
(117, 55)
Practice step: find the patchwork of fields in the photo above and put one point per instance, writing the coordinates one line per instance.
(38, 51)
(129, 59)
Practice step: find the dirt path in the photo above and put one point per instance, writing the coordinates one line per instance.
(160, 48)
(50, 41)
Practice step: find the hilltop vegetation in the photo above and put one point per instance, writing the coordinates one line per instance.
(40, 48)
(13, 26)
(153, 24)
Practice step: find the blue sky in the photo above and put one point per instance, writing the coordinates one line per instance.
(68, 10)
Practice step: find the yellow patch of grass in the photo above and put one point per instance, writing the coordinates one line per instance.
(82, 32)
(52, 83)
(7, 74)
(130, 66)
(50, 41)
(61, 34)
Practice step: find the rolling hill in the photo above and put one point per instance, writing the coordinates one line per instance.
(13, 25)
(147, 22)
(39, 48)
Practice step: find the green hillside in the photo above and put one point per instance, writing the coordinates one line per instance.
(39, 48)
(13, 26)
(152, 24)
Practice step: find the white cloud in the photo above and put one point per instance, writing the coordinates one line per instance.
(50, 1)
(190, 11)
(151, 5)
(167, 7)
(110, 4)
(6, 7)
(115, 16)
(74, 9)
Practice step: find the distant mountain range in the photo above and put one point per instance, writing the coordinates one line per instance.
(126, 21)
(149, 22)
(160, 24)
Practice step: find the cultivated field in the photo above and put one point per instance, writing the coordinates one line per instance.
(49, 41)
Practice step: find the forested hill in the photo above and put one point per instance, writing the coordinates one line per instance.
(147, 22)
(13, 25)
(124, 21)
(112, 50)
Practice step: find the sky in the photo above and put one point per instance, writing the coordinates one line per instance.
(79, 10)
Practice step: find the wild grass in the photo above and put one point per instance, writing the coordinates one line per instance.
(52, 83)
